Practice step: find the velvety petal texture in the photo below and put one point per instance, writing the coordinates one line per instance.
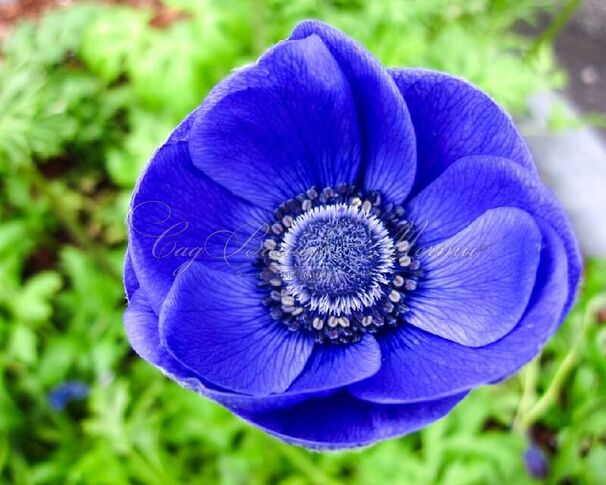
(479, 281)
(214, 324)
(243, 137)
(475, 184)
(141, 324)
(453, 119)
(341, 421)
(473, 294)
(179, 216)
(438, 367)
(389, 146)
(335, 366)
(129, 278)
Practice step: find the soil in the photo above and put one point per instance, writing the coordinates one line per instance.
(13, 10)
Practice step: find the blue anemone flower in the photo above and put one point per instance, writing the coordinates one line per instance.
(536, 462)
(60, 396)
(338, 252)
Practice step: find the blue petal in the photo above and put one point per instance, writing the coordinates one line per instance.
(179, 216)
(334, 366)
(183, 130)
(473, 185)
(215, 324)
(389, 148)
(141, 324)
(342, 421)
(536, 462)
(453, 119)
(436, 367)
(276, 128)
(68, 391)
(129, 278)
(477, 298)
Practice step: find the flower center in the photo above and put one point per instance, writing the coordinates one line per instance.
(336, 263)
(335, 259)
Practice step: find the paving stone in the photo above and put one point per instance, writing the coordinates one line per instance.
(573, 163)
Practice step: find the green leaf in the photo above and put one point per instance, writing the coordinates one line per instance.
(33, 302)
(22, 344)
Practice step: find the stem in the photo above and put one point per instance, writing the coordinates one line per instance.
(529, 390)
(549, 34)
(551, 395)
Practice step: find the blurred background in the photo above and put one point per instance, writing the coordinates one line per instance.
(89, 89)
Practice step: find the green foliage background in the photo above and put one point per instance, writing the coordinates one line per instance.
(86, 94)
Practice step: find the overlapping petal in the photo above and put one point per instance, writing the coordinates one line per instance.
(129, 279)
(473, 185)
(440, 367)
(141, 324)
(418, 365)
(389, 147)
(214, 323)
(276, 128)
(335, 366)
(179, 216)
(328, 367)
(477, 284)
(342, 421)
(453, 119)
